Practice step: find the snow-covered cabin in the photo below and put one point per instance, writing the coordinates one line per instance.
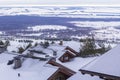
(79, 76)
(60, 52)
(64, 53)
(63, 73)
(39, 52)
(30, 70)
(106, 66)
(67, 56)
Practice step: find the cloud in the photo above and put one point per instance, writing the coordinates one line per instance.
(59, 2)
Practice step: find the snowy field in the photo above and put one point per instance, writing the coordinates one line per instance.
(53, 22)
(108, 34)
(49, 27)
(96, 24)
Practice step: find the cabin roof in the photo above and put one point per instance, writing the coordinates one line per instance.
(73, 44)
(79, 76)
(108, 63)
(39, 69)
(47, 71)
(77, 63)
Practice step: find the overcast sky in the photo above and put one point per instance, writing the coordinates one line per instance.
(59, 2)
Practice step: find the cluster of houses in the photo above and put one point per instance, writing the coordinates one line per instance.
(57, 63)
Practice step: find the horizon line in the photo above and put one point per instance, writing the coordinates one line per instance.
(30, 5)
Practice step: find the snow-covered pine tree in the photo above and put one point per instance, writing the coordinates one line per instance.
(46, 44)
(52, 42)
(108, 48)
(35, 44)
(1, 42)
(28, 46)
(21, 50)
(88, 48)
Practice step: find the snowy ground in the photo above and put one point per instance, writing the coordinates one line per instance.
(30, 69)
(78, 63)
(50, 27)
(97, 24)
(108, 34)
(33, 69)
(79, 76)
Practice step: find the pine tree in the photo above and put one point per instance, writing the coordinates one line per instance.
(1, 43)
(103, 48)
(61, 42)
(108, 48)
(28, 46)
(52, 42)
(35, 44)
(88, 48)
(46, 44)
(7, 43)
(21, 50)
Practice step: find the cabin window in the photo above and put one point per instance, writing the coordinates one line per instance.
(59, 78)
(62, 58)
(66, 58)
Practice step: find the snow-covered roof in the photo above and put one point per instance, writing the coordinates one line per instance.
(31, 69)
(44, 73)
(79, 76)
(77, 63)
(47, 71)
(38, 48)
(39, 51)
(4, 57)
(73, 44)
(59, 49)
(6, 73)
(43, 70)
(108, 63)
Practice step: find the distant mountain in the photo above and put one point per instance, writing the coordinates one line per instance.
(89, 12)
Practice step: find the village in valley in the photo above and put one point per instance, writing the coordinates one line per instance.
(59, 42)
(58, 60)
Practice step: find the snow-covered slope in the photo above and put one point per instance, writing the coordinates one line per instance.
(49, 27)
(96, 24)
(108, 33)
(62, 11)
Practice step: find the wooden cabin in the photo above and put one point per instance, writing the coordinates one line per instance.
(106, 66)
(101, 75)
(72, 50)
(63, 73)
(67, 56)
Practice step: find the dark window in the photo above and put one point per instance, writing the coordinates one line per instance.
(59, 78)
